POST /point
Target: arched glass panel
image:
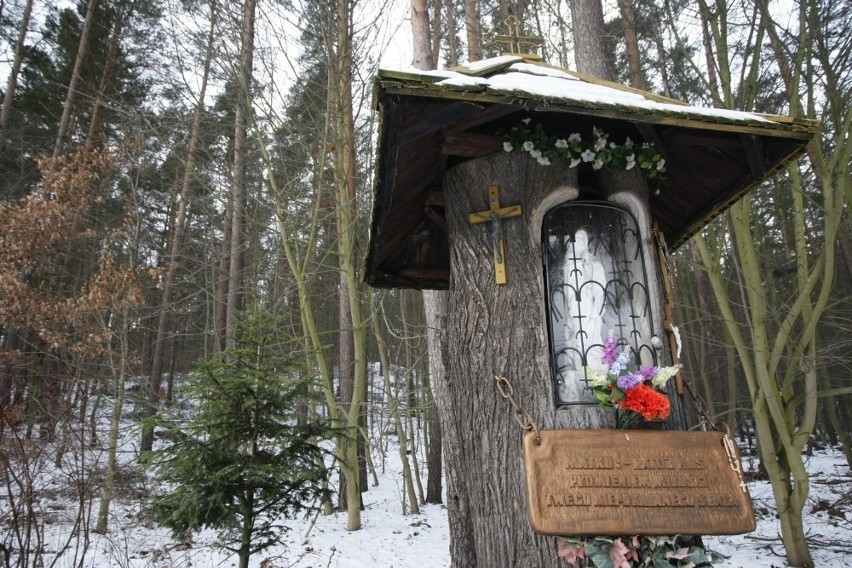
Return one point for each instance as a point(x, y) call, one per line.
point(596, 284)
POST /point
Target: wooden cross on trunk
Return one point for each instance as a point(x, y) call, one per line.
point(493, 215)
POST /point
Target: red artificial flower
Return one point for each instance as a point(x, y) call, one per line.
point(644, 400)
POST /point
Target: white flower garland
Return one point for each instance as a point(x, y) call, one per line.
point(598, 150)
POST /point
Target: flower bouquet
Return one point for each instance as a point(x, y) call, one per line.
point(638, 392)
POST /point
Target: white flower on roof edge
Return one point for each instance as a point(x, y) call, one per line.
point(544, 161)
point(527, 146)
point(507, 147)
point(597, 165)
point(600, 143)
point(588, 155)
point(535, 154)
point(575, 138)
point(561, 143)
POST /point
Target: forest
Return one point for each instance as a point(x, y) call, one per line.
point(185, 201)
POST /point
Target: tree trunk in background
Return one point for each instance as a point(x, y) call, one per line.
point(422, 58)
point(238, 183)
point(126, 11)
point(12, 82)
point(437, 32)
point(474, 30)
point(435, 306)
point(434, 303)
point(340, 66)
point(65, 121)
point(345, 371)
point(631, 42)
point(453, 47)
point(590, 53)
point(159, 347)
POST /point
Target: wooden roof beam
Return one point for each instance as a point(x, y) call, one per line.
point(438, 120)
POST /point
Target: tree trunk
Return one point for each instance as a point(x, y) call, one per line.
point(435, 306)
point(102, 524)
point(498, 329)
point(631, 42)
point(474, 30)
point(420, 32)
point(106, 75)
point(590, 53)
point(453, 47)
point(75, 79)
point(12, 83)
point(345, 181)
point(159, 347)
point(238, 184)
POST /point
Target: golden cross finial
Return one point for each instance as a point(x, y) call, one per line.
point(514, 41)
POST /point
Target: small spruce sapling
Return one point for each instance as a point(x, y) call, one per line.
point(245, 458)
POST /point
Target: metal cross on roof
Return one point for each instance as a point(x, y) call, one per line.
point(516, 43)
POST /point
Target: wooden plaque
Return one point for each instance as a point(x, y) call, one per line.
point(631, 482)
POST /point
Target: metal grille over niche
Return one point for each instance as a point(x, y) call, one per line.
point(596, 283)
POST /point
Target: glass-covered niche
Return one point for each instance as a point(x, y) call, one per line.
point(596, 284)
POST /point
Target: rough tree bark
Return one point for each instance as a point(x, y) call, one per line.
point(497, 329)
point(590, 55)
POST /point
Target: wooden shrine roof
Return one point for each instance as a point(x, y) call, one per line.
point(432, 120)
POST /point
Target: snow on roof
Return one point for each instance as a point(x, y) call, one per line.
point(510, 73)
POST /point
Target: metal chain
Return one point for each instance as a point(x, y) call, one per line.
point(523, 417)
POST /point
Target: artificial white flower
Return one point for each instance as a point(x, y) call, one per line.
point(526, 121)
point(597, 165)
point(528, 145)
point(661, 165)
point(574, 162)
point(596, 132)
point(587, 155)
point(629, 166)
point(663, 375)
point(600, 143)
point(543, 160)
point(595, 378)
point(628, 143)
point(575, 138)
point(535, 154)
point(561, 143)
point(507, 147)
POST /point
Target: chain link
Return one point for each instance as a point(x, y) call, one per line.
point(523, 417)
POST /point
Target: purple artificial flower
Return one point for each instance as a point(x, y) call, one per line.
point(647, 373)
point(629, 382)
point(609, 354)
point(620, 363)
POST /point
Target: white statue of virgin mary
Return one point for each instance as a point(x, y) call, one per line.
point(587, 273)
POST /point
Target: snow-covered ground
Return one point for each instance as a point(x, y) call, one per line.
point(391, 539)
